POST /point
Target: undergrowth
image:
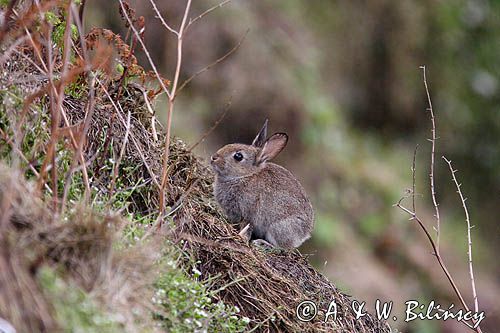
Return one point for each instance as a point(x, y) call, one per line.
point(188, 305)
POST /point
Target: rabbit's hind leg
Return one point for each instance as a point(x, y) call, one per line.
point(287, 233)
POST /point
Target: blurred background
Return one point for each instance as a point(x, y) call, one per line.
point(343, 79)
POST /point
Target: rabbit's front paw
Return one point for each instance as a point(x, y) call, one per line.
point(263, 244)
point(267, 247)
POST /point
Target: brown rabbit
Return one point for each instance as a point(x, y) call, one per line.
point(262, 195)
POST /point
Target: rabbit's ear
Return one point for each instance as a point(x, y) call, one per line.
point(261, 136)
point(272, 147)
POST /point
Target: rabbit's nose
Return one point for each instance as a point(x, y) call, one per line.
point(214, 157)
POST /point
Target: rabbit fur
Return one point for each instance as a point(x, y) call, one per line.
point(251, 190)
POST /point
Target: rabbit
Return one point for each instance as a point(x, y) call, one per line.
point(262, 195)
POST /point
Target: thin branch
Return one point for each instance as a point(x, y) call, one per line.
point(174, 89)
point(469, 238)
point(86, 122)
point(413, 171)
point(164, 178)
point(413, 216)
point(170, 94)
point(36, 49)
point(120, 157)
point(158, 15)
point(179, 51)
point(438, 257)
point(55, 118)
point(214, 126)
point(434, 248)
point(153, 117)
point(219, 60)
point(78, 16)
point(50, 158)
point(28, 59)
point(150, 60)
point(60, 90)
point(433, 142)
point(206, 12)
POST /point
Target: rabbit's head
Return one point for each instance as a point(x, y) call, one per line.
point(237, 160)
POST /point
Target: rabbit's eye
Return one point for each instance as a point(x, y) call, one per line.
point(238, 156)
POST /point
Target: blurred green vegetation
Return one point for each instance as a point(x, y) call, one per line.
point(74, 308)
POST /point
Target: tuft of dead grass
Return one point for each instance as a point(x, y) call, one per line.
point(81, 248)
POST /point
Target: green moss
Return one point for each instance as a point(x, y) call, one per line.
point(187, 305)
point(52, 18)
point(75, 311)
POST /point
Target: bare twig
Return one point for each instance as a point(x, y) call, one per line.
point(34, 64)
point(170, 94)
point(219, 60)
point(164, 178)
point(87, 120)
point(35, 49)
point(118, 161)
point(55, 102)
point(206, 12)
point(153, 118)
point(433, 142)
point(158, 15)
point(214, 126)
point(413, 172)
point(469, 238)
point(146, 52)
point(65, 64)
point(54, 118)
point(435, 244)
point(437, 254)
point(91, 100)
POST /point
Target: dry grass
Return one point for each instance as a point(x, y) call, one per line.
point(81, 249)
